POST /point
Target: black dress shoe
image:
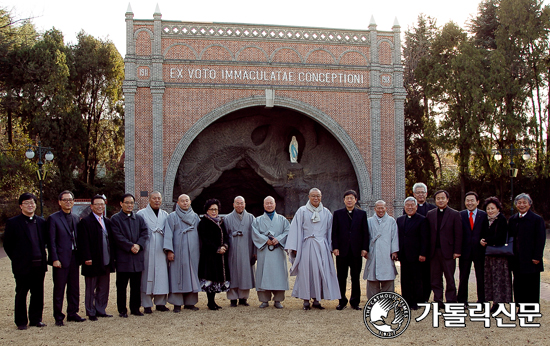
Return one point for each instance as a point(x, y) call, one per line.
point(104, 315)
point(318, 306)
point(137, 313)
point(177, 308)
point(340, 307)
point(38, 324)
point(123, 314)
point(92, 318)
point(190, 307)
point(22, 327)
point(243, 302)
point(146, 311)
point(212, 307)
point(162, 308)
point(306, 306)
point(355, 307)
point(75, 318)
point(59, 323)
point(233, 303)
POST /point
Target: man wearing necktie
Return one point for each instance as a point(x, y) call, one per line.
point(475, 225)
point(94, 244)
point(63, 257)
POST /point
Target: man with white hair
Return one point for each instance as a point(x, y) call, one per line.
point(154, 279)
point(270, 232)
point(310, 245)
point(181, 243)
point(420, 192)
point(529, 240)
point(414, 239)
point(384, 244)
point(242, 252)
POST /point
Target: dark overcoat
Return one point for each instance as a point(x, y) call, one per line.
point(212, 265)
point(18, 246)
point(127, 231)
point(529, 240)
point(346, 237)
point(414, 238)
point(90, 245)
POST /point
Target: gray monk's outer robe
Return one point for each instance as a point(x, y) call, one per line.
point(271, 270)
point(384, 240)
point(181, 237)
point(313, 265)
point(241, 249)
point(154, 279)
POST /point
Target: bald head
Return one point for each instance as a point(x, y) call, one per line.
point(380, 208)
point(184, 202)
point(239, 204)
point(269, 204)
point(155, 199)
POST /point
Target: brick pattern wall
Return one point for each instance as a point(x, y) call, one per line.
point(187, 99)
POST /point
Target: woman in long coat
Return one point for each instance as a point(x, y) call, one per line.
point(498, 280)
point(213, 265)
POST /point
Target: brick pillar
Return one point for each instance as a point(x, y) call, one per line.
point(157, 90)
point(129, 88)
point(375, 108)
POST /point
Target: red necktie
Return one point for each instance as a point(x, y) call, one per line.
point(472, 220)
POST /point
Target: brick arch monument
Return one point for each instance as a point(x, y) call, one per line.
point(182, 77)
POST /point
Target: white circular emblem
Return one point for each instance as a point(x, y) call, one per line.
point(386, 315)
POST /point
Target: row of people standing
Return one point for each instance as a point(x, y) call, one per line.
point(215, 255)
point(138, 246)
point(447, 234)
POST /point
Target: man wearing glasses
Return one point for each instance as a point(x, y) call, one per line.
point(94, 244)
point(63, 257)
point(24, 240)
point(130, 234)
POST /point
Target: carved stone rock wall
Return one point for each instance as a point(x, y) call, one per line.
point(246, 153)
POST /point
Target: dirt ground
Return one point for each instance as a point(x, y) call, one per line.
point(247, 325)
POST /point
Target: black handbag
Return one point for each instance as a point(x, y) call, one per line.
point(502, 250)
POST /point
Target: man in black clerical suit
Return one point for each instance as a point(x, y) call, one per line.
point(420, 192)
point(24, 243)
point(94, 244)
point(63, 257)
point(350, 241)
point(130, 233)
point(445, 247)
point(475, 225)
point(529, 234)
point(414, 239)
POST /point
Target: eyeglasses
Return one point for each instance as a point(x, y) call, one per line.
point(99, 204)
point(28, 203)
point(128, 203)
point(67, 200)
point(213, 209)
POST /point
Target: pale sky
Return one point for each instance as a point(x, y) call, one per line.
point(105, 18)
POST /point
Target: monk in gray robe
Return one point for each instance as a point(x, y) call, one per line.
point(242, 252)
point(384, 244)
point(309, 244)
point(154, 279)
point(181, 243)
point(270, 233)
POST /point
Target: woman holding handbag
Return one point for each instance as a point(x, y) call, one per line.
point(498, 279)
